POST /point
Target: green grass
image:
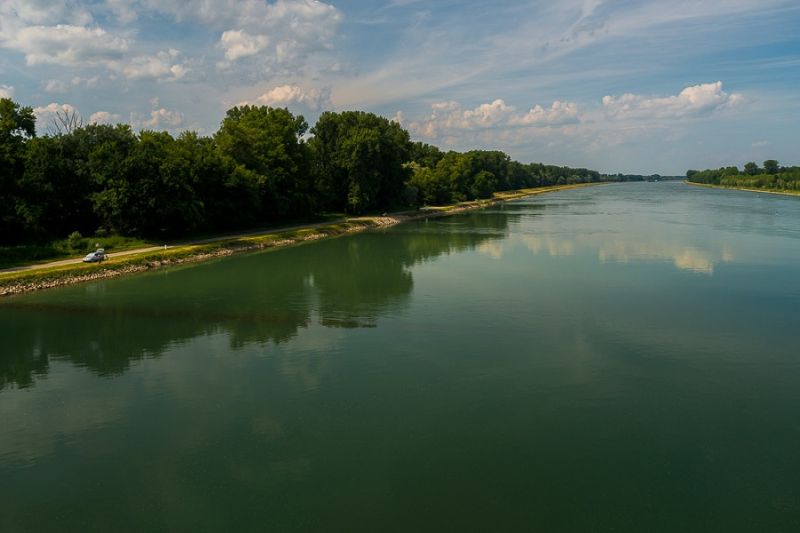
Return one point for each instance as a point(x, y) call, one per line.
point(28, 254)
point(67, 274)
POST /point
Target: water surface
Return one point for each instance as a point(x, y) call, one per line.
point(616, 358)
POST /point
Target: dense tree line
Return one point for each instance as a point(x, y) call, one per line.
point(440, 178)
point(263, 165)
point(770, 176)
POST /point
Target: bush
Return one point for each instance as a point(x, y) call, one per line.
point(75, 241)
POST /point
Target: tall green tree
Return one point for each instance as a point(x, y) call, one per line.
point(771, 166)
point(17, 125)
point(56, 189)
point(269, 143)
point(359, 160)
point(751, 169)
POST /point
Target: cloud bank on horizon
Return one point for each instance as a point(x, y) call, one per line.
point(633, 86)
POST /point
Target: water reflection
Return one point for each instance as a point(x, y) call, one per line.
point(620, 250)
point(265, 298)
point(620, 230)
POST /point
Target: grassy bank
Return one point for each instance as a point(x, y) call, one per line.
point(28, 254)
point(767, 191)
point(56, 276)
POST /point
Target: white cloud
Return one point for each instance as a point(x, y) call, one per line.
point(159, 119)
point(61, 86)
point(485, 115)
point(558, 113)
point(165, 65)
point(38, 12)
point(238, 44)
point(285, 95)
point(451, 117)
point(448, 116)
point(47, 116)
point(104, 117)
point(6, 91)
point(56, 86)
point(66, 45)
point(283, 32)
point(692, 101)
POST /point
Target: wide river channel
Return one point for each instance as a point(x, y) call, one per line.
point(615, 358)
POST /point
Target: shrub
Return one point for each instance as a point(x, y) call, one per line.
point(75, 241)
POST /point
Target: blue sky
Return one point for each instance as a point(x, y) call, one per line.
point(619, 86)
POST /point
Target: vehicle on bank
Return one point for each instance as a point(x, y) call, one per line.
point(95, 257)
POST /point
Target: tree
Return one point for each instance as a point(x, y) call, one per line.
point(269, 143)
point(65, 121)
point(359, 160)
point(751, 169)
point(55, 188)
point(425, 155)
point(17, 125)
point(227, 193)
point(771, 166)
point(107, 151)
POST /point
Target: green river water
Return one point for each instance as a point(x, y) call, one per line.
point(618, 358)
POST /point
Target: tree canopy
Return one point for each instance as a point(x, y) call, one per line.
point(771, 177)
point(263, 165)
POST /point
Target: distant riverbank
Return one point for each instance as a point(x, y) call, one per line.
point(61, 273)
point(768, 191)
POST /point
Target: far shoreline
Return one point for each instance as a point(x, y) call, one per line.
point(726, 187)
point(60, 275)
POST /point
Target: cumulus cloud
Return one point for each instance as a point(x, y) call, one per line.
point(47, 116)
point(450, 117)
point(66, 45)
point(282, 32)
point(38, 12)
point(158, 119)
point(447, 116)
point(558, 113)
point(103, 117)
point(692, 101)
point(485, 115)
point(166, 65)
point(285, 95)
point(6, 91)
point(238, 44)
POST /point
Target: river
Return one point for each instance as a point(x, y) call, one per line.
point(613, 358)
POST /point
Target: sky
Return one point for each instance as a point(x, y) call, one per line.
point(628, 86)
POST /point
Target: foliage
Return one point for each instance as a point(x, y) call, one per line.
point(75, 240)
point(771, 177)
point(259, 168)
point(359, 161)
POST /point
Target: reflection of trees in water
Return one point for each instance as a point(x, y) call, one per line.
point(347, 282)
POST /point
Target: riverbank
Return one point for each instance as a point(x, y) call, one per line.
point(767, 191)
point(59, 273)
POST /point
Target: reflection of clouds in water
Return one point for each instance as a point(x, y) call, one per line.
point(683, 257)
point(553, 247)
point(492, 249)
point(611, 249)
